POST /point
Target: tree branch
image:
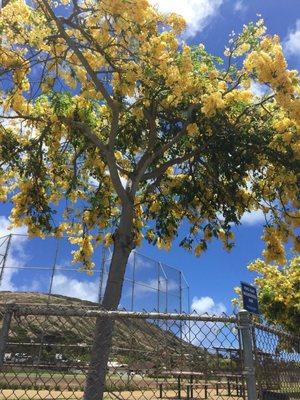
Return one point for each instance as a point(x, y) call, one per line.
point(107, 154)
point(178, 136)
point(146, 158)
point(90, 39)
point(162, 169)
point(253, 106)
point(99, 85)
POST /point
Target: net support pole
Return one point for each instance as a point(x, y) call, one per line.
point(180, 301)
point(245, 328)
point(5, 257)
point(158, 287)
point(101, 278)
point(5, 330)
point(133, 282)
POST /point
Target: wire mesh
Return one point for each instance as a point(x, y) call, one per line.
point(45, 354)
point(277, 359)
point(153, 355)
point(45, 266)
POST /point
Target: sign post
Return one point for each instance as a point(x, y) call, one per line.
point(250, 299)
point(245, 327)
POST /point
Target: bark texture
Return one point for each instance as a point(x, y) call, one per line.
point(123, 245)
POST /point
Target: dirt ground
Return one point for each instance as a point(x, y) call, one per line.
point(9, 394)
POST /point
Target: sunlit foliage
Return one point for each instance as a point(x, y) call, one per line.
point(106, 113)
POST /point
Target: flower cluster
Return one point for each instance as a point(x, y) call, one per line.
point(143, 118)
point(270, 66)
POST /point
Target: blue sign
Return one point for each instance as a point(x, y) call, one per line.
point(250, 300)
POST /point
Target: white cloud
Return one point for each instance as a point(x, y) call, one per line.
point(209, 335)
point(197, 13)
point(4, 230)
point(123, 181)
point(258, 89)
point(152, 286)
point(85, 290)
point(16, 256)
point(253, 218)
point(207, 305)
point(17, 259)
point(292, 42)
point(240, 6)
point(95, 182)
point(141, 262)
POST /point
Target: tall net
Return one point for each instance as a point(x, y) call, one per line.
point(44, 266)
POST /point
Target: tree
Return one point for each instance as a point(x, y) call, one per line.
point(107, 114)
point(278, 288)
point(279, 293)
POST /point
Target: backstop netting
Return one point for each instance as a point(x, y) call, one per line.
point(35, 265)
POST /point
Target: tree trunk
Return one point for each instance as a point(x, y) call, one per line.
point(123, 244)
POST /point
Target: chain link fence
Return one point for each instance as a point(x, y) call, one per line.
point(45, 354)
point(277, 362)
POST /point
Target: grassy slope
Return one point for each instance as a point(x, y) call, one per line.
point(135, 340)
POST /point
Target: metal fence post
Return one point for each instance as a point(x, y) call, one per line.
point(249, 367)
point(7, 316)
point(5, 254)
point(133, 281)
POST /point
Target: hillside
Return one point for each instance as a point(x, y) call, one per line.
point(134, 341)
point(41, 298)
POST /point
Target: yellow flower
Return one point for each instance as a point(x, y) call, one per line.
point(192, 129)
point(108, 240)
point(243, 48)
point(155, 206)
point(164, 244)
point(199, 249)
point(211, 103)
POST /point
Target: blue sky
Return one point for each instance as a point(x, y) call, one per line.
point(213, 276)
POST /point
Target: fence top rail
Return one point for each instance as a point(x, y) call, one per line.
point(275, 330)
point(94, 311)
point(52, 310)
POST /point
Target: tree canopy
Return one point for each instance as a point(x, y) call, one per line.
point(279, 292)
point(111, 121)
point(106, 113)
